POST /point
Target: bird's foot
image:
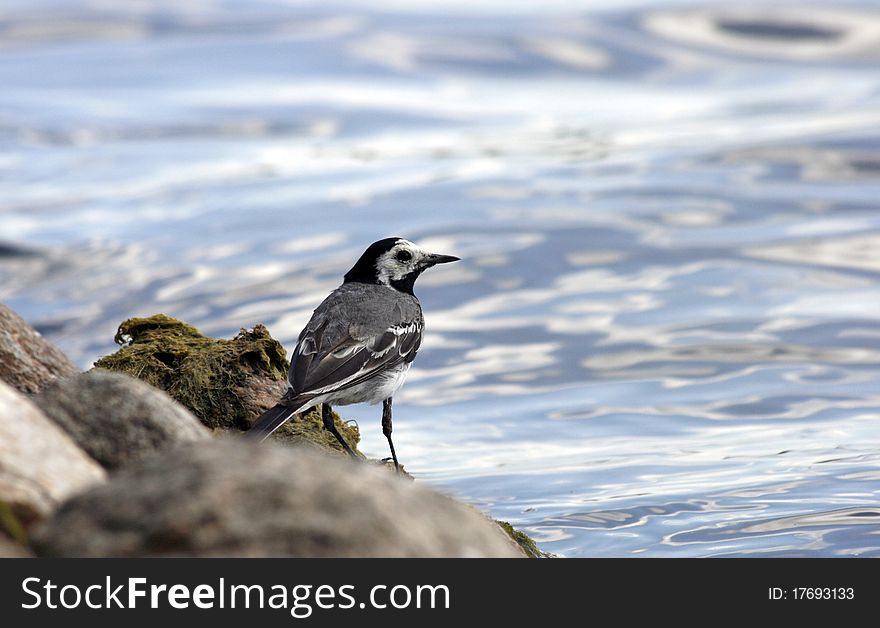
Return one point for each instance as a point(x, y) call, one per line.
point(391, 461)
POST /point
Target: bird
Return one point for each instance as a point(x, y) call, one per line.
point(360, 342)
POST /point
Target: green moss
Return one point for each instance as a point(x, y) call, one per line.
point(136, 330)
point(525, 542)
point(11, 526)
point(204, 374)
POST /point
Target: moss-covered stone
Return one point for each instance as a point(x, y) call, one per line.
point(525, 542)
point(212, 377)
point(227, 384)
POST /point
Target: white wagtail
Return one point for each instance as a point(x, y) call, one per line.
point(360, 342)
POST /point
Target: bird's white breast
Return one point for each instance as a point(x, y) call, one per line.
point(374, 390)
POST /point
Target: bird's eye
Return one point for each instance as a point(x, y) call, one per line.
point(404, 256)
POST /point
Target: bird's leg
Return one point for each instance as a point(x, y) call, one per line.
point(386, 429)
point(330, 425)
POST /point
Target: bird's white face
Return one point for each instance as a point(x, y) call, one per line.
point(394, 262)
point(403, 259)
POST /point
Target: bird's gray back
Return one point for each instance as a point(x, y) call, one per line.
point(355, 332)
point(365, 310)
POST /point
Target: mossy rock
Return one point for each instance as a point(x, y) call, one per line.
point(214, 378)
point(525, 542)
point(227, 384)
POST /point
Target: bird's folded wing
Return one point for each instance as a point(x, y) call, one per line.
point(327, 359)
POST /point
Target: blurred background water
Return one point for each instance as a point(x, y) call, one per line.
point(663, 339)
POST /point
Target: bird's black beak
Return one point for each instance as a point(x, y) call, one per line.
point(433, 259)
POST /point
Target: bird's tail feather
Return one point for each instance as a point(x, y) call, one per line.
point(273, 418)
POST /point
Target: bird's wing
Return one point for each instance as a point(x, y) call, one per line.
point(330, 356)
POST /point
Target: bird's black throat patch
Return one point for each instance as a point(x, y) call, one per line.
point(406, 284)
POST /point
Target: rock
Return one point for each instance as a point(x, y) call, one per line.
point(27, 360)
point(8, 549)
point(116, 418)
point(226, 384)
point(40, 465)
point(230, 497)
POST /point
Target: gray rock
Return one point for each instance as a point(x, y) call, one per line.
point(27, 360)
point(230, 497)
point(9, 549)
point(39, 463)
point(116, 418)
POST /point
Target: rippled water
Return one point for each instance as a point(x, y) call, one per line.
point(664, 338)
